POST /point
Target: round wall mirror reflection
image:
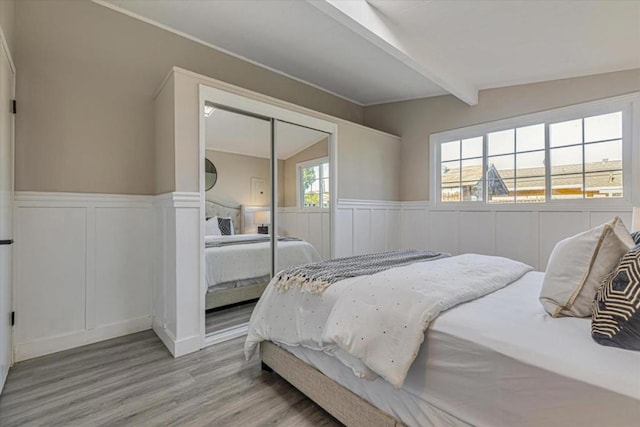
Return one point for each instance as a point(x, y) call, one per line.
point(210, 175)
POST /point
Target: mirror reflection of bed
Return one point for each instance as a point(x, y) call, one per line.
point(238, 211)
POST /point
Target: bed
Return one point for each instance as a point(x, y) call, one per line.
point(238, 268)
point(497, 360)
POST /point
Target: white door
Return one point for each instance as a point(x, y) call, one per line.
point(6, 211)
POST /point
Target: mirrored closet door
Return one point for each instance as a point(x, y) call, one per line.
point(303, 195)
point(238, 252)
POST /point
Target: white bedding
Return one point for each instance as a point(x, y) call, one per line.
point(378, 320)
point(239, 262)
point(501, 360)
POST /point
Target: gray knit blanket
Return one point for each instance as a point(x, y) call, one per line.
point(261, 239)
point(316, 277)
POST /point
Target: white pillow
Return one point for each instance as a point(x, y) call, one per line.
point(579, 264)
point(211, 228)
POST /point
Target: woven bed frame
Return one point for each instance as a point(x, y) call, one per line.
point(346, 406)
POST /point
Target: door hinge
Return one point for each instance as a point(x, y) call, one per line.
point(14, 106)
point(13, 318)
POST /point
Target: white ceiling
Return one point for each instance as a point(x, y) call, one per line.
point(378, 51)
point(236, 133)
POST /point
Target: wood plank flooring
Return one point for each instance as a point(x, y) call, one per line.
point(225, 317)
point(134, 381)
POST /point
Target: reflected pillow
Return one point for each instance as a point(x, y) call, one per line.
point(211, 228)
point(226, 226)
point(579, 264)
point(616, 308)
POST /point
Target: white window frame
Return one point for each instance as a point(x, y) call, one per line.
point(628, 104)
point(299, 195)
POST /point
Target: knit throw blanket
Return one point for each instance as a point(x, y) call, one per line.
point(316, 277)
point(266, 238)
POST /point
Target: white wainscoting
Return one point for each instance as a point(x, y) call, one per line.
point(83, 269)
point(310, 225)
point(525, 235)
point(367, 226)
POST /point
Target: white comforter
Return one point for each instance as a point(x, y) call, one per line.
point(375, 324)
point(240, 262)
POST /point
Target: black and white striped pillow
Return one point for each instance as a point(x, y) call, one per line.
point(226, 226)
point(636, 237)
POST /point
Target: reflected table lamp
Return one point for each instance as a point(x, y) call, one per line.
point(264, 219)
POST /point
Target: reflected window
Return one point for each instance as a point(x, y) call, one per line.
point(313, 183)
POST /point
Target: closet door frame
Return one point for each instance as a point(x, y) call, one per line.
point(208, 94)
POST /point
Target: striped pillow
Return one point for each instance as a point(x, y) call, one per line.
point(636, 237)
point(226, 226)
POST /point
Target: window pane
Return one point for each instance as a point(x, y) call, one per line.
point(530, 189)
point(530, 164)
point(565, 133)
point(472, 147)
point(471, 190)
point(530, 138)
point(502, 142)
point(499, 171)
point(451, 193)
point(604, 127)
point(450, 151)
point(566, 186)
point(603, 184)
point(566, 160)
point(325, 170)
point(500, 191)
point(325, 192)
point(471, 170)
point(503, 164)
point(603, 156)
point(450, 172)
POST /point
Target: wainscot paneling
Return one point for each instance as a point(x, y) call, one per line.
point(310, 225)
point(525, 235)
point(367, 226)
point(83, 269)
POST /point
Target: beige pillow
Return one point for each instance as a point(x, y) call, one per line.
point(579, 264)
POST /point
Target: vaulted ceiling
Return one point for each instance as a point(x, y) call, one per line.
point(376, 51)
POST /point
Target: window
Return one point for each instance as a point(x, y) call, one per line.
point(313, 183)
point(571, 153)
point(586, 157)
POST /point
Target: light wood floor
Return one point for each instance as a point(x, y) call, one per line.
point(133, 380)
point(225, 317)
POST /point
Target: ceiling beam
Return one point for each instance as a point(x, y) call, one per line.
point(363, 19)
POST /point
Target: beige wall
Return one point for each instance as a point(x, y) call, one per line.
point(7, 8)
point(368, 164)
point(316, 151)
point(415, 120)
point(234, 176)
point(85, 84)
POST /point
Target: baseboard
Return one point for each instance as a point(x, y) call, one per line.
point(188, 345)
point(165, 336)
point(3, 378)
point(176, 347)
point(48, 345)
